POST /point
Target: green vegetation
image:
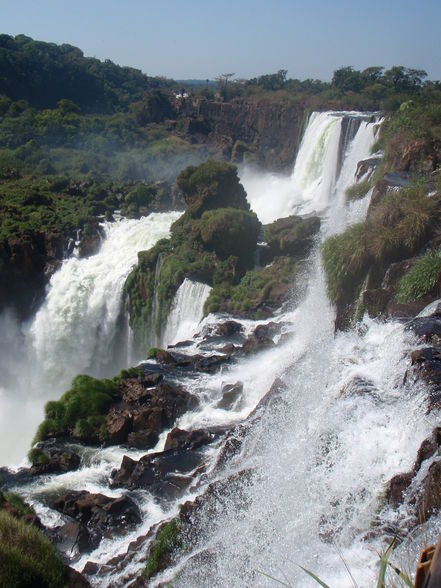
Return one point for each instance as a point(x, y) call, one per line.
point(27, 558)
point(211, 185)
point(44, 73)
point(166, 542)
point(16, 502)
point(79, 412)
point(359, 190)
point(258, 286)
point(209, 243)
point(373, 88)
point(421, 279)
point(396, 228)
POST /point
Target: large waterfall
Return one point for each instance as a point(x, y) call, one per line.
point(317, 460)
point(75, 331)
point(320, 458)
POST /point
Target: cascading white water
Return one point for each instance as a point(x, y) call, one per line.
point(312, 184)
point(320, 458)
point(346, 426)
point(74, 331)
point(186, 311)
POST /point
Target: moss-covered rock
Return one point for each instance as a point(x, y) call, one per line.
point(213, 184)
point(230, 232)
point(292, 235)
point(167, 541)
point(213, 242)
point(259, 293)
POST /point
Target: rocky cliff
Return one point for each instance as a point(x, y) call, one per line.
point(261, 131)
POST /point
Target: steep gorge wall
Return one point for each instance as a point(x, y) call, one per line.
point(265, 132)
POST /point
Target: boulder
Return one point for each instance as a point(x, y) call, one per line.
point(48, 458)
point(188, 440)
point(97, 515)
point(146, 412)
point(426, 328)
point(230, 395)
point(166, 474)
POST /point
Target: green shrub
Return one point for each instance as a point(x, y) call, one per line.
point(27, 558)
point(80, 409)
point(17, 502)
point(421, 279)
point(151, 353)
point(37, 457)
point(166, 542)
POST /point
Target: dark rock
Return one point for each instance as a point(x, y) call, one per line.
point(427, 366)
point(149, 380)
point(145, 412)
point(396, 488)
point(163, 356)
point(91, 568)
point(75, 580)
point(118, 426)
point(429, 500)
point(180, 344)
point(227, 329)
point(400, 483)
point(230, 394)
point(59, 459)
point(375, 301)
point(142, 439)
point(165, 474)
point(229, 349)
point(427, 328)
point(188, 440)
point(97, 516)
point(256, 123)
point(401, 311)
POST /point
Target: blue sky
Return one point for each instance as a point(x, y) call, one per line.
point(202, 39)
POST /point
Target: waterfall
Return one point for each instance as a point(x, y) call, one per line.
point(320, 162)
point(76, 330)
point(186, 311)
point(345, 425)
point(317, 461)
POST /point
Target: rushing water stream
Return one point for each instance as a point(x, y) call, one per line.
point(345, 424)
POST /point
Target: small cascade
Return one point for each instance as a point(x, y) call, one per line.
point(186, 311)
point(155, 335)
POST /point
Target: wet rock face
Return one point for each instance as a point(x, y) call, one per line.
point(185, 440)
point(166, 474)
point(145, 411)
point(97, 516)
point(58, 459)
point(272, 133)
point(427, 328)
point(26, 263)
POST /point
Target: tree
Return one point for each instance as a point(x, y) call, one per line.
point(222, 84)
point(347, 79)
